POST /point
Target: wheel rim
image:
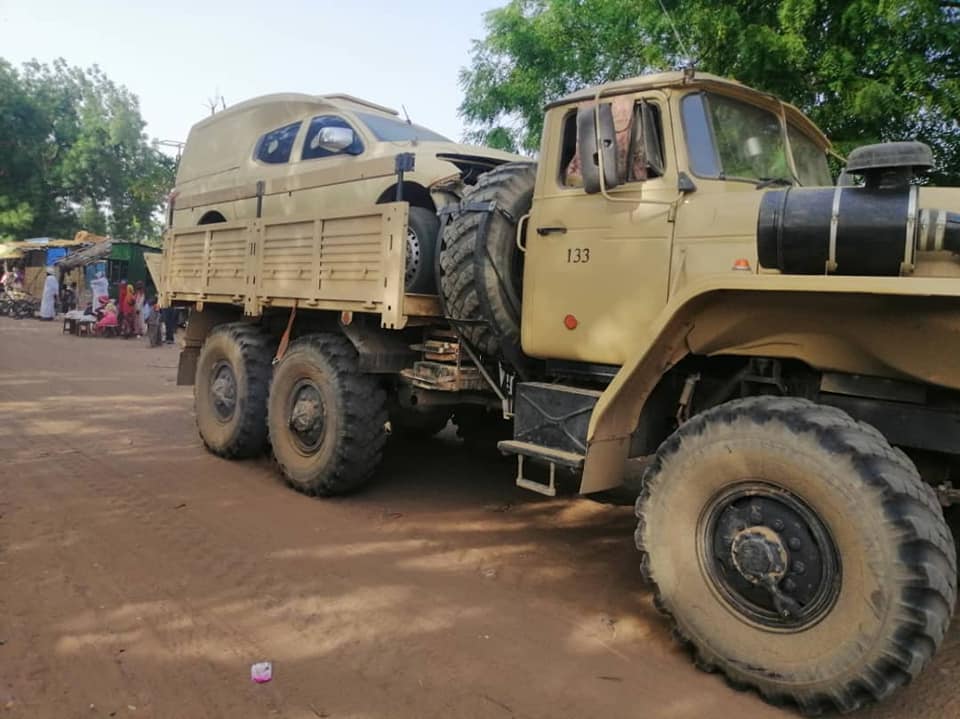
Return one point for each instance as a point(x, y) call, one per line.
point(769, 556)
point(306, 416)
point(223, 390)
point(412, 257)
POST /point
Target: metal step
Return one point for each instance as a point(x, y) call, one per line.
point(551, 457)
point(544, 454)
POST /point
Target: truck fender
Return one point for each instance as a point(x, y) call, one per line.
point(864, 325)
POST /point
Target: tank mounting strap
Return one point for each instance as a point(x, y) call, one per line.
point(834, 226)
point(910, 245)
point(488, 207)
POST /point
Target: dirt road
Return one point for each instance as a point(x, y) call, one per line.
point(140, 576)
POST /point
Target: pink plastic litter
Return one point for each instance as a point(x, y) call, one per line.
point(261, 672)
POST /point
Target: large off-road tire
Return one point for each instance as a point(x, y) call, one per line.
point(481, 273)
point(327, 420)
point(230, 390)
point(423, 229)
point(826, 511)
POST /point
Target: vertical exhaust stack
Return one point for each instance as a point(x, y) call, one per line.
point(870, 230)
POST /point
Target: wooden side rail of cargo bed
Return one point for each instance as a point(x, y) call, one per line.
point(351, 261)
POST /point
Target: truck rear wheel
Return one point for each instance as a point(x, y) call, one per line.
point(797, 552)
point(327, 420)
point(230, 390)
point(481, 267)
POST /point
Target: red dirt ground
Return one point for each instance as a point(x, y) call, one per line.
point(140, 576)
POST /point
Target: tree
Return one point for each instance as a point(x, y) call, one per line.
point(74, 155)
point(864, 70)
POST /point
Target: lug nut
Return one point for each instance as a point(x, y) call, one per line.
point(794, 543)
point(778, 524)
point(755, 514)
point(799, 567)
point(789, 585)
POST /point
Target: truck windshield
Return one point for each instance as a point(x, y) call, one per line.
point(730, 139)
point(389, 130)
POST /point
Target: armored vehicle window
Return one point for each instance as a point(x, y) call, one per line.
point(388, 129)
point(313, 146)
point(275, 146)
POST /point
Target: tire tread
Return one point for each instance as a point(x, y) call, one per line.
point(928, 552)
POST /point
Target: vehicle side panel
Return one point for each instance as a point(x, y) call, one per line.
point(337, 262)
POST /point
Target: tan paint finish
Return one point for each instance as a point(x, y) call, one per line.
point(320, 242)
point(661, 282)
point(332, 262)
point(624, 284)
point(218, 170)
point(898, 327)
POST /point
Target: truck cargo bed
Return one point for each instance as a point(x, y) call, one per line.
point(352, 261)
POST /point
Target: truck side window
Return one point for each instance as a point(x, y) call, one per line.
point(311, 145)
point(275, 146)
point(569, 161)
point(646, 143)
point(639, 142)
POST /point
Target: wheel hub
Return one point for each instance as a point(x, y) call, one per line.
point(412, 256)
point(307, 415)
point(759, 554)
point(223, 389)
point(770, 556)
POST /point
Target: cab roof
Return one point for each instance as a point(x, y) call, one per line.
point(692, 80)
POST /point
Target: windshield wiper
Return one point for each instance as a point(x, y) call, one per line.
point(773, 181)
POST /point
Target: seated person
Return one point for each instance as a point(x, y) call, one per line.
point(109, 317)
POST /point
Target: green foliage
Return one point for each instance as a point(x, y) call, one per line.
point(73, 155)
point(864, 70)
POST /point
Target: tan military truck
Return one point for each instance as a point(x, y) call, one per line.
point(677, 276)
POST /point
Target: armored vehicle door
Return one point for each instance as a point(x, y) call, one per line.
point(597, 265)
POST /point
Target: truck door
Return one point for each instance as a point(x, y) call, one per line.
point(596, 270)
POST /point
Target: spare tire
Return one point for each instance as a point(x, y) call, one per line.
point(480, 265)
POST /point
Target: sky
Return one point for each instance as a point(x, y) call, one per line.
point(177, 55)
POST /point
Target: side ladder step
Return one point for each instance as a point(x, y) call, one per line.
point(551, 457)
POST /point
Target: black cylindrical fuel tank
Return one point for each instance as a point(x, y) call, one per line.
point(866, 227)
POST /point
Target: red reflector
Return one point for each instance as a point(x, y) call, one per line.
point(570, 322)
point(742, 264)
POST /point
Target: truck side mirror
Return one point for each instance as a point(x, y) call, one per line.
point(594, 138)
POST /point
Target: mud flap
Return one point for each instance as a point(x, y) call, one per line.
point(187, 366)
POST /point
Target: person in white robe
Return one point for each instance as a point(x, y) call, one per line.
point(51, 288)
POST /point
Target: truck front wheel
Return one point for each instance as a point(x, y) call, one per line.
point(230, 390)
point(327, 420)
point(797, 552)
